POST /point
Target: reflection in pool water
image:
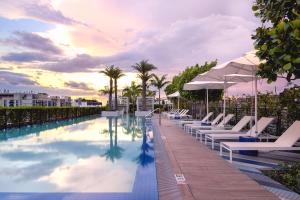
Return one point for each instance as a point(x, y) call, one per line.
point(84, 155)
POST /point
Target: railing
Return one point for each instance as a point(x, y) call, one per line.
point(149, 114)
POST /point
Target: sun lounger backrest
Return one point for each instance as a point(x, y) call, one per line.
point(261, 125)
point(226, 119)
point(290, 136)
point(206, 118)
point(184, 111)
point(217, 119)
point(180, 111)
point(242, 123)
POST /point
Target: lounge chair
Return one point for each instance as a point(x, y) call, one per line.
point(219, 126)
point(182, 123)
point(173, 111)
point(170, 115)
point(236, 129)
point(262, 124)
point(183, 115)
point(190, 127)
point(284, 143)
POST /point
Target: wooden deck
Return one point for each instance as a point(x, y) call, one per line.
point(207, 175)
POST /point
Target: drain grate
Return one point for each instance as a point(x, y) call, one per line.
point(179, 178)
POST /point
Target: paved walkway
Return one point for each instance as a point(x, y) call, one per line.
point(207, 175)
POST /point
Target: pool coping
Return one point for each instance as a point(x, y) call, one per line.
point(183, 152)
point(166, 184)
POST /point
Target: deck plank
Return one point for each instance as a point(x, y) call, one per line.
point(208, 176)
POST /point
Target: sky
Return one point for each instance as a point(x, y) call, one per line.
point(59, 46)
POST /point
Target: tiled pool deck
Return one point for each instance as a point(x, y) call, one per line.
point(208, 176)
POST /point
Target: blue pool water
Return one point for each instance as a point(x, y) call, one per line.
point(84, 158)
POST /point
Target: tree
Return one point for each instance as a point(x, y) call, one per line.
point(188, 75)
point(104, 91)
point(132, 92)
point(108, 71)
point(277, 41)
point(117, 73)
point(144, 68)
point(159, 83)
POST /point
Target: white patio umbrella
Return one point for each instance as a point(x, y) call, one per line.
point(175, 95)
point(208, 85)
point(244, 66)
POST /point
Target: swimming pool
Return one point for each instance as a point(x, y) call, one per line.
point(84, 158)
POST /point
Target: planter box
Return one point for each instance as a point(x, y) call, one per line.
point(142, 113)
point(110, 113)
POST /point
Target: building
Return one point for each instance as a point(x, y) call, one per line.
point(149, 103)
point(8, 99)
point(86, 103)
point(61, 101)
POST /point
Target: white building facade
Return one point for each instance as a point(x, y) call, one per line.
point(8, 99)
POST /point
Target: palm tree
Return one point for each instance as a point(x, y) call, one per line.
point(104, 91)
point(159, 83)
point(108, 71)
point(114, 152)
point(117, 73)
point(132, 92)
point(144, 68)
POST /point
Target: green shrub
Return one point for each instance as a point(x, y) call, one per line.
point(288, 174)
point(20, 116)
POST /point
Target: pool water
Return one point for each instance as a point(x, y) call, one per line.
point(84, 158)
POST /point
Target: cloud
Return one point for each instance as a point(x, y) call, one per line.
point(86, 62)
point(33, 41)
point(27, 57)
point(191, 41)
point(15, 79)
point(80, 63)
point(183, 43)
point(36, 9)
point(79, 86)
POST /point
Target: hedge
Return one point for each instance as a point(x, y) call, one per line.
point(21, 116)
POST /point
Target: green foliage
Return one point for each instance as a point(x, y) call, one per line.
point(109, 72)
point(188, 75)
point(287, 174)
point(20, 116)
point(132, 92)
point(159, 83)
point(144, 69)
point(278, 39)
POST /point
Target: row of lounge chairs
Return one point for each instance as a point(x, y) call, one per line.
point(177, 114)
point(216, 131)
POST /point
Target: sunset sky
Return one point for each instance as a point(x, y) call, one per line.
point(59, 46)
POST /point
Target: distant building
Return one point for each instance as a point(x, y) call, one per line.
point(61, 101)
point(8, 99)
point(86, 103)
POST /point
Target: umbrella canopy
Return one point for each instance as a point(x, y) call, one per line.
point(211, 85)
point(242, 69)
point(245, 65)
point(174, 95)
point(199, 85)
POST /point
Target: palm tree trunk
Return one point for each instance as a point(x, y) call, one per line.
point(159, 98)
point(144, 96)
point(110, 132)
point(110, 93)
point(116, 131)
point(116, 95)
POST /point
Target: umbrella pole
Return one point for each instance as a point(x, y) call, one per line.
point(206, 101)
point(224, 102)
point(178, 103)
point(255, 102)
